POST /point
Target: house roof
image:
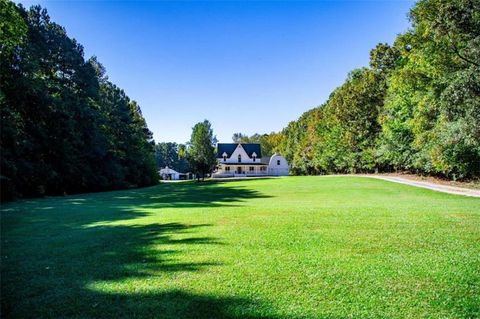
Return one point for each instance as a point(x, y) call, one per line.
point(168, 170)
point(229, 148)
point(265, 160)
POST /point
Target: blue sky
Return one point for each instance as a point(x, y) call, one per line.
point(245, 66)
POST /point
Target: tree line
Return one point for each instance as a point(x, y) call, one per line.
point(65, 128)
point(415, 108)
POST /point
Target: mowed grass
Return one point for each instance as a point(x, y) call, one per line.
point(296, 247)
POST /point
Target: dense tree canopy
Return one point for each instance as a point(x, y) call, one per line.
point(431, 121)
point(64, 127)
point(416, 107)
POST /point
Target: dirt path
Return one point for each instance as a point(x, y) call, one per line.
point(429, 185)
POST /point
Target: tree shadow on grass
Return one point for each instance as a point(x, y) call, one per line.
point(56, 261)
point(81, 210)
point(191, 194)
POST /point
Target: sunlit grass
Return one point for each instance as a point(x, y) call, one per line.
point(296, 247)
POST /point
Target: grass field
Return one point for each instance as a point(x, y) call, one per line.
point(296, 247)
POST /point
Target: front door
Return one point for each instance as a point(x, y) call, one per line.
point(239, 170)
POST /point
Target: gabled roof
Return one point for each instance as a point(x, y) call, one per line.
point(168, 170)
point(229, 148)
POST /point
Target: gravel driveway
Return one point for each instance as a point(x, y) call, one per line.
point(432, 186)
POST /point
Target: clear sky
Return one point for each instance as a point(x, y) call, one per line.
point(245, 66)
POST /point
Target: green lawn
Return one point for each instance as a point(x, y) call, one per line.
point(296, 247)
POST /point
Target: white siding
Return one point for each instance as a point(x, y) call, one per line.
point(234, 157)
point(167, 173)
point(278, 166)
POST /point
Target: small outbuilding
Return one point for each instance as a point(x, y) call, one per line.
point(169, 174)
point(278, 165)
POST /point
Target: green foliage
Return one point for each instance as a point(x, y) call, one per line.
point(12, 28)
point(65, 128)
point(384, 58)
point(432, 111)
point(341, 135)
point(417, 107)
point(171, 155)
point(201, 149)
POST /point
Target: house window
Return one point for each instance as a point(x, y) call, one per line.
point(254, 158)
point(263, 168)
point(227, 168)
point(251, 168)
point(224, 158)
point(278, 162)
point(239, 158)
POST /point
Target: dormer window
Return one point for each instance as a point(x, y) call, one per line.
point(239, 158)
point(224, 155)
point(254, 156)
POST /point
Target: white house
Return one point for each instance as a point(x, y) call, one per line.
point(235, 160)
point(169, 174)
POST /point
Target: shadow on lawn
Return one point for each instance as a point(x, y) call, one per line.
point(55, 259)
point(190, 194)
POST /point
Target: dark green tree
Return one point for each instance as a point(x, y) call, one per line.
point(201, 149)
point(171, 155)
point(416, 108)
point(65, 128)
point(430, 124)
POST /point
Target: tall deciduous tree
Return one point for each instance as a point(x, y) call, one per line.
point(432, 114)
point(201, 149)
point(416, 108)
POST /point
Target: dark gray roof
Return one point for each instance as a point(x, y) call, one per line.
point(265, 159)
point(230, 147)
